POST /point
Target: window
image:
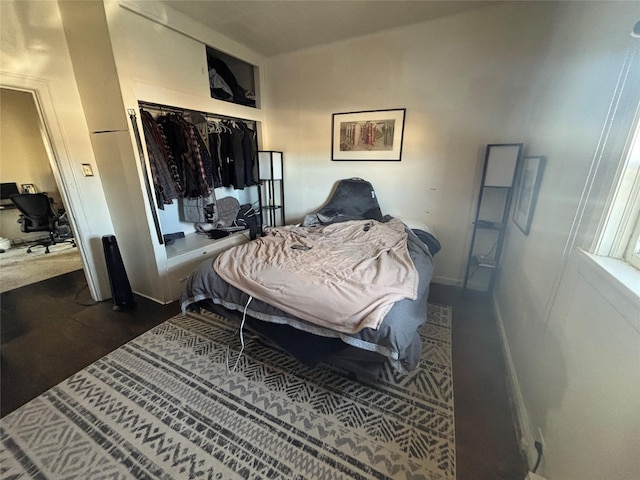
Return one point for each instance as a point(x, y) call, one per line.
point(619, 231)
point(632, 251)
point(632, 255)
point(614, 249)
point(620, 237)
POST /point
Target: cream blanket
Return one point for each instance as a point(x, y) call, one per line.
point(344, 276)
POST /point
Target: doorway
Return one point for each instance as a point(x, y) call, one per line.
point(25, 160)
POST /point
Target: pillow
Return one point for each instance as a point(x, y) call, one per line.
point(414, 224)
point(423, 232)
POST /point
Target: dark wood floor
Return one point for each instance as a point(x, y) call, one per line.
point(486, 440)
point(52, 329)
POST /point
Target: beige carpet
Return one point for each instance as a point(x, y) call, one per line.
point(19, 268)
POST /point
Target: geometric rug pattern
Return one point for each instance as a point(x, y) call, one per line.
point(167, 406)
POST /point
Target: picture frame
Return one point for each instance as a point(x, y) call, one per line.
point(529, 180)
point(28, 188)
point(370, 135)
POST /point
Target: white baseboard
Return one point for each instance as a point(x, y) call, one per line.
point(455, 282)
point(523, 427)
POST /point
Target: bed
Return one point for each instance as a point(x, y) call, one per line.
point(348, 286)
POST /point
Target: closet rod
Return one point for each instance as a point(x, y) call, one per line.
point(159, 108)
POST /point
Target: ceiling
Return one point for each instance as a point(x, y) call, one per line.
point(271, 27)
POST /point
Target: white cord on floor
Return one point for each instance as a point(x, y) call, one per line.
point(244, 316)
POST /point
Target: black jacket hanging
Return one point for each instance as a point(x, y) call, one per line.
point(250, 152)
point(237, 136)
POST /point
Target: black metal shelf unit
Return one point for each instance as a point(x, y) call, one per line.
point(498, 175)
point(271, 188)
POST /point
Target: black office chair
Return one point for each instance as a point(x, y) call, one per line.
point(38, 215)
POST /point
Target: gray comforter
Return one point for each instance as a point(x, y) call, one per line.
point(396, 338)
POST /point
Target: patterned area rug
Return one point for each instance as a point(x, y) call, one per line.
point(165, 406)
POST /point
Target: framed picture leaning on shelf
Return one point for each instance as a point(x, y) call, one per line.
point(529, 179)
point(374, 135)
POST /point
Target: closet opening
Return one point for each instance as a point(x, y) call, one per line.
point(202, 171)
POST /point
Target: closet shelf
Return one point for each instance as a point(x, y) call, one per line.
point(231, 79)
point(200, 244)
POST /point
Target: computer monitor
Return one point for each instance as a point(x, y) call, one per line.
point(6, 190)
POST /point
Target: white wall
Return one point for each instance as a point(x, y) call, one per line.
point(541, 73)
point(461, 79)
point(573, 334)
point(34, 57)
point(99, 84)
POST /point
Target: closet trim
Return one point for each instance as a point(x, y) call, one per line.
point(147, 183)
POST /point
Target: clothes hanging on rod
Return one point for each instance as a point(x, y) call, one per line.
point(183, 141)
point(191, 153)
point(234, 150)
point(164, 170)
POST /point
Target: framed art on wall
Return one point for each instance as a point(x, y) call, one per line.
point(529, 180)
point(374, 135)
